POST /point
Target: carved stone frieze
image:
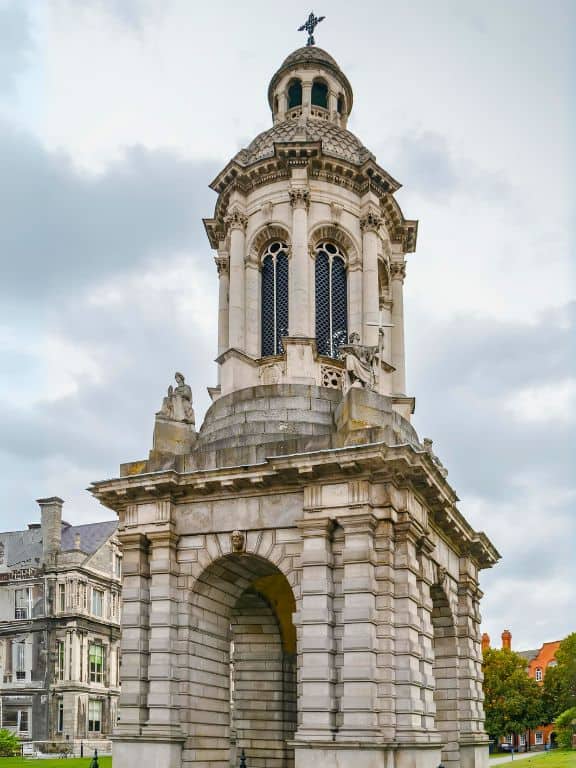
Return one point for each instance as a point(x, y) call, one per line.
point(299, 197)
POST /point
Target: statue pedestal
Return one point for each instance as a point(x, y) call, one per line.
point(176, 437)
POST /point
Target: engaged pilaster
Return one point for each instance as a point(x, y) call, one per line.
point(133, 705)
point(370, 224)
point(236, 222)
point(397, 275)
point(299, 300)
point(359, 646)
point(223, 266)
point(317, 704)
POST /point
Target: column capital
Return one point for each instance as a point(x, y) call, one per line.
point(311, 528)
point(236, 219)
point(299, 197)
point(222, 262)
point(363, 523)
point(371, 221)
point(162, 538)
point(398, 270)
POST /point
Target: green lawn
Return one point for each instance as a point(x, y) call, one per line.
point(556, 759)
point(70, 762)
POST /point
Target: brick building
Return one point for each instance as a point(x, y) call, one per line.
point(538, 660)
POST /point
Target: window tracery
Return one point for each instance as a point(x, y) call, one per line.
point(274, 299)
point(331, 299)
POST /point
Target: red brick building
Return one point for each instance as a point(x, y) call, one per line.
point(539, 661)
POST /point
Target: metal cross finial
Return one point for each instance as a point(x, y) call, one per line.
point(311, 24)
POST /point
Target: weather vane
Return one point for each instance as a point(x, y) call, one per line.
point(311, 24)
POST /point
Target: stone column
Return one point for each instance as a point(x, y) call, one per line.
point(473, 739)
point(236, 222)
point(163, 691)
point(397, 275)
point(252, 316)
point(355, 308)
point(135, 606)
point(409, 704)
point(370, 223)
point(359, 642)
point(299, 301)
point(223, 266)
point(317, 704)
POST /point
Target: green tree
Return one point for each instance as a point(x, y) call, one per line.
point(512, 700)
point(9, 744)
point(566, 724)
point(560, 681)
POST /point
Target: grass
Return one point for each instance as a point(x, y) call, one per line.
point(56, 762)
point(556, 759)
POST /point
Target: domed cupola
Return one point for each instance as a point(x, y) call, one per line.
point(310, 84)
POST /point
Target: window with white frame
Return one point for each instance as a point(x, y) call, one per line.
point(97, 602)
point(96, 662)
point(538, 674)
point(539, 737)
point(20, 665)
point(522, 740)
point(62, 597)
point(23, 603)
point(60, 659)
point(15, 719)
point(94, 716)
point(510, 738)
point(117, 566)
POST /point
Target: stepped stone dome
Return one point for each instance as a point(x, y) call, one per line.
point(336, 141)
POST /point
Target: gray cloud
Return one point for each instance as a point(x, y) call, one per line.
point(62, 228)
point(15, 41)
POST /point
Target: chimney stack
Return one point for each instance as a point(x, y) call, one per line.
point(485, 642)
point(51, 516)
point(506, 640)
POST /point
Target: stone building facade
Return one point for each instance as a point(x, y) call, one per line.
point(299, 582)
point(60, 604)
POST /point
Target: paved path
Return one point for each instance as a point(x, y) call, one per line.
point(517, 756)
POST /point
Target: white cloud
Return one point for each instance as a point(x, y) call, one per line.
point(549, 403)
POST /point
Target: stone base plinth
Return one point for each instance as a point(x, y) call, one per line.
point(156, 753)
point(175, 437)
point(359, 755)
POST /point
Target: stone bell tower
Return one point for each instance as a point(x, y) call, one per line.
point(299, 584)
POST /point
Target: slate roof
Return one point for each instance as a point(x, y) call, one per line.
point(529, 655)
point(23, 549)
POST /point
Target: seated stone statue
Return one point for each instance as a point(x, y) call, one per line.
point(177, 405)
point(361, 363)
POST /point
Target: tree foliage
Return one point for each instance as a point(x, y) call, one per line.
point(560, 681)
point(566, 725)
point(513, 701)
point(9, 743)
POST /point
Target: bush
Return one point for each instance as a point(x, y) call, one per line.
point(566, 727)
point(9, 744)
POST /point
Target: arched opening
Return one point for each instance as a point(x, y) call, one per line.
point(294, 94)
point(445, 670)
point(331, 299)
point(242, 665)
point(340, 104)
point(274, 301)
point(319, 94)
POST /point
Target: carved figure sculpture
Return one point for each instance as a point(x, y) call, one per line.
point(237, 541)
point(177, 405)
point(361, 363)
point(427, 443)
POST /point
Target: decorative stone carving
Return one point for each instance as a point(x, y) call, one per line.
point(398, 270)
point(177, 405)
point(237, 541)
point(336, 211)
point(266, 210)
point(222, 264)
point(361, 363)
point(440, 576)
point(371, 222)
point(271, 374)
point(427, 443)
point(299, 197)
point(332, 377)
point(236, 219)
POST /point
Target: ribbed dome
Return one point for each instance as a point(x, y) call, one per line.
point(335, 141)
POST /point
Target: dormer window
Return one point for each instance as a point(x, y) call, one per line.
point(319, 94)
point(295, 94)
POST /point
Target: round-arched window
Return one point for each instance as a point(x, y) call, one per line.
point(295, 94)
point(340, 104)
point(319, 94)
point(331, 299)
point(274, 313)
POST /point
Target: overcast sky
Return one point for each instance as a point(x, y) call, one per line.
point(114, 117)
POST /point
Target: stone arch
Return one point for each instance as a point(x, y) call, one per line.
point(241, 641)
point(340, 236)
point(263, 236)
point(445, 671)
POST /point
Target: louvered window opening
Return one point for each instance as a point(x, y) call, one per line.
point(331, 300)
point(274, 298)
